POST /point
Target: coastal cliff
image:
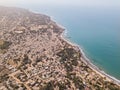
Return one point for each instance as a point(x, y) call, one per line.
point(35, 56)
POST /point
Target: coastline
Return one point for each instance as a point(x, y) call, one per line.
point(86, 60)
point(36, 54)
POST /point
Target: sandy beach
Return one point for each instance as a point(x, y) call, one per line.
point(35, 54)
point(87, 61)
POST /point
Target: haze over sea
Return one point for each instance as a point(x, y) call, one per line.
point(96, 30)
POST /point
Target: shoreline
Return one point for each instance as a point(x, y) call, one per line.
point(87, 61)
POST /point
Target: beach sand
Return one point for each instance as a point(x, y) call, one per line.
point(87, 61)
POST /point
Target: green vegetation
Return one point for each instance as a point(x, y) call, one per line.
point(76, 80)
point(69, 57)
point(4, 78)
point(4, 44)
point(62, 86)
point(48, 86)
point(78, 83)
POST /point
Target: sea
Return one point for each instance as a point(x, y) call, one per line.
point(96, 30)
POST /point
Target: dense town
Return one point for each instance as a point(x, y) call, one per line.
point(34, 56)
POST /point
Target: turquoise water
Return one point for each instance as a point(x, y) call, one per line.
point(96, 30)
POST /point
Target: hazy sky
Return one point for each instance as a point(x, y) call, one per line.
point(98, 3)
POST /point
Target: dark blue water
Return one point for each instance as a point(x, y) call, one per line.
point(96, 30)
